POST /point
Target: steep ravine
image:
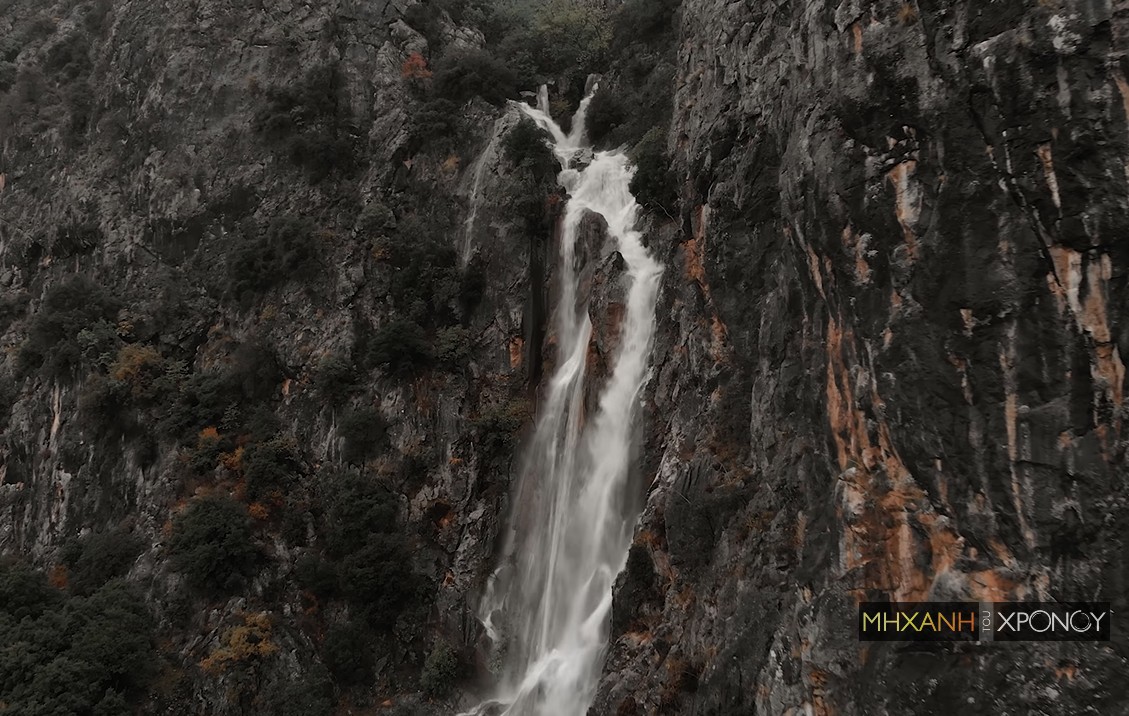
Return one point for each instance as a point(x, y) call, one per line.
point(889, 358)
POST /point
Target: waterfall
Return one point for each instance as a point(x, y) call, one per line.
point(549, 602)
point(485, 161)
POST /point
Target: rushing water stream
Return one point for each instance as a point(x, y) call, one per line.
point(548, 605)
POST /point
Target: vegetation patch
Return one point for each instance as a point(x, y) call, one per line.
point(367, 561)
point(211, 544)
point(270, 466)
point(365, 433)
point(264, 257)
point(72, 654)
point(311, 125)
point(440, 670)
point(96, 558)
point(653, 184)
point(69, 307)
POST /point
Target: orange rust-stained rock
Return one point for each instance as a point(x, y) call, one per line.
point(694, 248)
point(1066, 671)
point(857, 246)
point(813, 267)
point(718, 335)
point(1083, 287)
point(881, 518)
point(907, 201)
point(1047, 160)
point(989, 585)
point(517, 352)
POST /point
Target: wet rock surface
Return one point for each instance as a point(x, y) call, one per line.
point(891, 359)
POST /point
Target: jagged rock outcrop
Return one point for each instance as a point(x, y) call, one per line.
point(891, 358)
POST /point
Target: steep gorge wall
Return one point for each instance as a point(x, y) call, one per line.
point(891, 343)
point(891, 357)
point(136, 150)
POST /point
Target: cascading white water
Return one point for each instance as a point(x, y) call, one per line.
point(549, 603)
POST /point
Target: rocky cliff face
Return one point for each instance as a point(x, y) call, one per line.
point(892, 363)
point(890, 360)
point(241, 191)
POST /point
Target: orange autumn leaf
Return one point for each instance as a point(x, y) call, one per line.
point(415, 68)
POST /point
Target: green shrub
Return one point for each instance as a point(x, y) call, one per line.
point(312, 125)
point(575, 35)
point(112, 629)
point(378, 579)
point(99, 557)
point(436, 124)
point(270, 465)
point(137, 377)
point(453, 347)
point(423, 273)
point(370, 556)
point(348, 654)
point(356, 507)
point(69, 307)
point(98, 344)
point(365, 433)
point(401, 348)
point(234, 397)
point(8, 72)
point(13, 305)
point(336, 378)
point(497, 430)
point(267, 257)
point(102, 404)
point(376, 219)
point(525, 146)
point(68, 59)
point(72, 655)
point(424, 19)
point(317, 575)
point(440, 670)
point(605, 113)
point(646, 21)
point(560, 39)
point(653, 184)
point(211, 543)
point(465, 73)
point(24, 592)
